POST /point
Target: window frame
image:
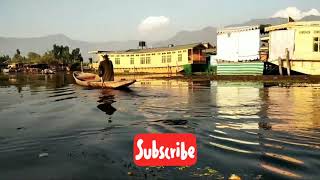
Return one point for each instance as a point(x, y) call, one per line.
point(117, 61)
point(132, 60)
point(148, 60)
point(143, 60)
point(179, 57)
point(169, 58)
point(164, 59)
point(316, 44)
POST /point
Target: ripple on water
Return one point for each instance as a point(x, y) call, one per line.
point(250, 131)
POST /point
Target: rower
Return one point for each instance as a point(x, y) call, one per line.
point(106, 69)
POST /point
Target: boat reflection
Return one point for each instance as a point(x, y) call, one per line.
point(294, 109)
point(239, 100)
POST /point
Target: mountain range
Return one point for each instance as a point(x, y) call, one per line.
point(42, 44)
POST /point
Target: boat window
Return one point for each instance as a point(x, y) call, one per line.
point(164, 59)
point(148, 60)
point(179, 57)
point(316, 44)
point(169, 59)
point(142, 60)
point(117, 61)
point(132, 60)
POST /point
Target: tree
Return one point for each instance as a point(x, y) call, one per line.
point(56, 51)
point(61, 53)
point(17, 58)
point(65, 53)
point(76, 55)
point(34, 57)
point(48, 58)
point(4, 59)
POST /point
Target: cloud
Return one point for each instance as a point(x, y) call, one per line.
point(153, 23)
point(295, 13)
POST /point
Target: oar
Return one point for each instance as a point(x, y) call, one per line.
point(102, 82)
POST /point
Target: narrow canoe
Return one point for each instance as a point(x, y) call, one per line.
point(93, 81)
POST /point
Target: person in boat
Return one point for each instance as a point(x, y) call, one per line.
point(106, 69)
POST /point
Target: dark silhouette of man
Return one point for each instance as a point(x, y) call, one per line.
point(106, 69)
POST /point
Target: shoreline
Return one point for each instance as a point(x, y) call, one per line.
point(292, 81)
point(266, 78)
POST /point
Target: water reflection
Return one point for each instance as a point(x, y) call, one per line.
point(238, 101)
point(35, 81)
point(274, 131)
point(295, 109)
point(105, 101)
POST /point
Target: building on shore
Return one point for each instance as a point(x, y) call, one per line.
point(171, 59)
point(295, 46)
point(238, 51)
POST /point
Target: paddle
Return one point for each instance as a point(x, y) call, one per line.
point(101, 74)
point(102, 82)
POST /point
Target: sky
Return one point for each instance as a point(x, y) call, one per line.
point(119, 20)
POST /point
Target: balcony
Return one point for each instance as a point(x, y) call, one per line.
point(197, 59)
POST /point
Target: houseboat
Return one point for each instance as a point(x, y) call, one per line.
point(295, 46)
point(171, 59)
point(238, 50)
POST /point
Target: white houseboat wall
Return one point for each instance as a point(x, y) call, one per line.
point(295, 47)
point(238, 51)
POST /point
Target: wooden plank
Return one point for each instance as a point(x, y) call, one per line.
point(280, 66)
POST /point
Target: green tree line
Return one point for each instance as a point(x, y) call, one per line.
point(58, 55)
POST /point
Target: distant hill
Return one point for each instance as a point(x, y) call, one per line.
point(272, 21)
point(311, 18)
point(42, 44)
point(207, 34)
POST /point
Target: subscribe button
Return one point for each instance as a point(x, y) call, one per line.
point(165, 150)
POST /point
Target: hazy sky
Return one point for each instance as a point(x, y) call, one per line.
point(105, 20)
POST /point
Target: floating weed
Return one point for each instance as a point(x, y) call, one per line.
point(208, 172)
point(183, 168)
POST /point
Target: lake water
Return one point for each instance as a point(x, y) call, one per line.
point(51, 128)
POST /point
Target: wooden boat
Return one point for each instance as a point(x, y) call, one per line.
point(6, 70)
point(47, 71)
point(93, 81)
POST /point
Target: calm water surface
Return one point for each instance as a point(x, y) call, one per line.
point(51, 128)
